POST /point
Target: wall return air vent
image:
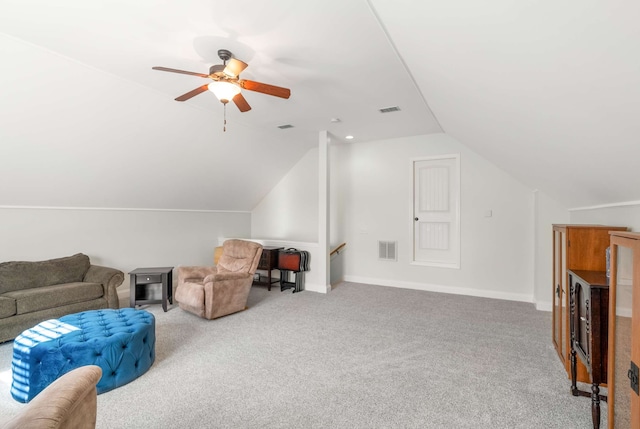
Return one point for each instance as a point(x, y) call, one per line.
point(390, 109)
point(387, 250)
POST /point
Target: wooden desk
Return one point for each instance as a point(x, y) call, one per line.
point(268, 262)
point(589, 325)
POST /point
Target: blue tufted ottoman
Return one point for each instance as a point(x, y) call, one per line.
point(121, 342)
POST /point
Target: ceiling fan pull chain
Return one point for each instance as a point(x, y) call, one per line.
point(224, 123)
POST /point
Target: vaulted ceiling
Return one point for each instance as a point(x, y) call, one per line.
point(547, 90)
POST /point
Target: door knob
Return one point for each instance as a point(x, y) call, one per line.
point(416, 219)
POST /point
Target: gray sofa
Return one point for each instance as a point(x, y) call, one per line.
point(32, 292)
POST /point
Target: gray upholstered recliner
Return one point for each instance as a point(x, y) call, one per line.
point(213, 292)
point(70, 402)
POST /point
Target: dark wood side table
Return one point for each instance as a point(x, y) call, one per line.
point(268, 262)
point(144, 279)
point(589, 325)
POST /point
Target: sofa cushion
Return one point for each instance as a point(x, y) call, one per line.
point(36, 299)
point(7, 307)
point(19, 275)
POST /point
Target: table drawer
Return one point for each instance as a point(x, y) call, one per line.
point(143, 279)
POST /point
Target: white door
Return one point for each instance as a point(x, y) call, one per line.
point(436, 211)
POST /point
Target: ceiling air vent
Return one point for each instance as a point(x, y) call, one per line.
point(284, 127)
point(390, 109)
point(387, 250)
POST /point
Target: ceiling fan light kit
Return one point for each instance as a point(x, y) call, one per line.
point(227, 85)
point(224, 91)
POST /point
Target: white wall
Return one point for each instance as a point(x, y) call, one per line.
point(620, 215)
point(337, 194)
point(497, 252)
point(122, 239)
point(290, 210)
point(337, 203)
point(289, 215)
point(547, 212)
point(507, 255)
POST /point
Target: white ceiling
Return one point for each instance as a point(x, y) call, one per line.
point(547, 90)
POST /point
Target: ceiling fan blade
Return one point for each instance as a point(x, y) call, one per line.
point(188, 95)
point(265, 88)
point(180, 71)
point(241, 102)
point(234, 67)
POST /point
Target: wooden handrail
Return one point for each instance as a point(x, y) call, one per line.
point(337, 249)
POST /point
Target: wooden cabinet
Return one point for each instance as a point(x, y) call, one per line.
point(589, 303)
point(624, 331)
point(268, 262)
point(575, 247)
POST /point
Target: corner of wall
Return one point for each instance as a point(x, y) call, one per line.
point(547, 212)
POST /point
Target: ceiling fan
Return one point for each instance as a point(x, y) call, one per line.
point(227, 84)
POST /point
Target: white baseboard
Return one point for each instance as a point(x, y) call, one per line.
point(548, 306)
point(442, 289)
point(319, 288)
point(544, 306)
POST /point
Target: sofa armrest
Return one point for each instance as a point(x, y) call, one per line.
point(109, 278)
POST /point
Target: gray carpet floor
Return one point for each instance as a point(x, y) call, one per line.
point(360, 357)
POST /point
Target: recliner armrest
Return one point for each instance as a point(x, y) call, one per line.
point(194, 274)
point(218, 277)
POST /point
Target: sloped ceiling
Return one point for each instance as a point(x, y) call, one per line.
point(547, 90)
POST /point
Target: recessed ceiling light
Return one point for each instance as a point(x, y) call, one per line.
point(348, 137)
point(335, 120)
